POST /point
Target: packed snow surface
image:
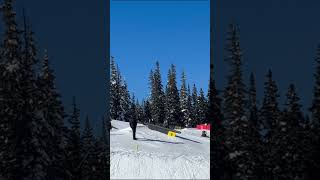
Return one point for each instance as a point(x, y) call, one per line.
point(154, 155)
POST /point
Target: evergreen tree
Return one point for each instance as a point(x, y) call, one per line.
point(195, 107)
point(87, 140)
point(173, 112)
point(139, 112)
point(105, 130)
point(214, 115)
point(268, 117)
point(32, 158)
point(253, 109)
point(147, 112)
point(189, 107)
point(101, 166)
point(238, 130)
point(269, 112)
point(184, 101)
point(133, 109)
point(157, 96)
point(202, 104)
point(73, 146)
point(125, 102)
point(115, 91)
point(315, 122)
point(54, 115)
point(255, 125)
point(10, 97)
point(288, 154)
point(315, 108)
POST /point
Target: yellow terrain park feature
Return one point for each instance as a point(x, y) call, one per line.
point(171, 134)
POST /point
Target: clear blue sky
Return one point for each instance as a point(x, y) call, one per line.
point(74, 33)
point(281, 35)
point(170, 32)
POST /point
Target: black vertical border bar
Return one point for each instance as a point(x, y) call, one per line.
point(211, 72)
point(107, 115)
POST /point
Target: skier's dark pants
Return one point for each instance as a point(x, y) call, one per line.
point(133, 127)
point(134, 132)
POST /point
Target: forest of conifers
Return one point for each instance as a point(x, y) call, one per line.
point(38, 139)
point(251, 141)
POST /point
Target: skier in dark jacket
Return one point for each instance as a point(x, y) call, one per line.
point(133, 125)
point(133, 117)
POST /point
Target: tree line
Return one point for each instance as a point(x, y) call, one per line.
point(38, 139)
point(166, 106)
point(251, 141)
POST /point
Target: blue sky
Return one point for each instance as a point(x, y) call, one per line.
point(280, 35)
point(170, 32)
point(74, 33)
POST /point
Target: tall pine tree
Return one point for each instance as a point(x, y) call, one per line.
point(189, 107)
point(315, 121)
point(195, 107)
point(124, 102)
point(237, 134)
point(11, 100)
point(173, 112)
point(73, 146)
point(288, 151)
point(202, 110)
point(54, 115)
point(214, 116)
point(157, 98)
point(87, 151)
point(185, 109)
point(115, 91)
point(269, 112)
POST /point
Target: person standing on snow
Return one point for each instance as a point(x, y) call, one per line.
point(133, 125)
point(133, 118)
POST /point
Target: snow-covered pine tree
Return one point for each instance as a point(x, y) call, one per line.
point(315, 107)
point(147, 111)
point(214, 116)
point(31, 127)
point(289, 142)
point(101, 165)
point(133, 109)
point(255, 125)
point(195, 107)
point(314, 172)
point(157, 98)
point(87, 151)
point(269, 115)
point(252, 104)
point(189, 107)
point(237, 134)
point(269, 112)
point(203, 106)
point(184, 101)
point(73, 146)
point(115, 91)
point(102, 152)
point(139, 112)
point(124, 102)
point(54, 115)
point(10, 79)
point(105, 130)
point(173, 112)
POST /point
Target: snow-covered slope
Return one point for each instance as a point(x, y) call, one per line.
point(154, 155)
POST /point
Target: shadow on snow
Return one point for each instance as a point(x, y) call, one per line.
point(146, 139)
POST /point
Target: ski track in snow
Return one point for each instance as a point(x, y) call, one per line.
point(158, 156)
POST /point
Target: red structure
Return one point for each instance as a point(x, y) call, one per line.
point(204, 127)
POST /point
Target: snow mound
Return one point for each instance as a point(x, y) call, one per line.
point(154, 155)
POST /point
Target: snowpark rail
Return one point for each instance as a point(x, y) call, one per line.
point(166, 130)
point(161, 129)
